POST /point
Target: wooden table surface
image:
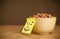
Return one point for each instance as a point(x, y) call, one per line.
point(14, 32)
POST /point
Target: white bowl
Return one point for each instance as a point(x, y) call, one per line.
point(44, 25)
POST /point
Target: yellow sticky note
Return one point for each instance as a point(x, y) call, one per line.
point(29, 25)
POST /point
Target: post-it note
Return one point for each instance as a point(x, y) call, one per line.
point(29, 25)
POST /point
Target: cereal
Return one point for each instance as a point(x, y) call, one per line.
point(42, 15)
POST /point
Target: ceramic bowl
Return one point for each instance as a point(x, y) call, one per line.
point(44, 25)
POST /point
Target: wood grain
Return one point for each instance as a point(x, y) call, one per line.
point(14, 32)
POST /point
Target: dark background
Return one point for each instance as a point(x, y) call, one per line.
point(16, 11)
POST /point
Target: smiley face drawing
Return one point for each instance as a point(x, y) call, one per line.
point(29, 25)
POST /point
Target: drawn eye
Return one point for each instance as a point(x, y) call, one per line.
point(32, 22)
